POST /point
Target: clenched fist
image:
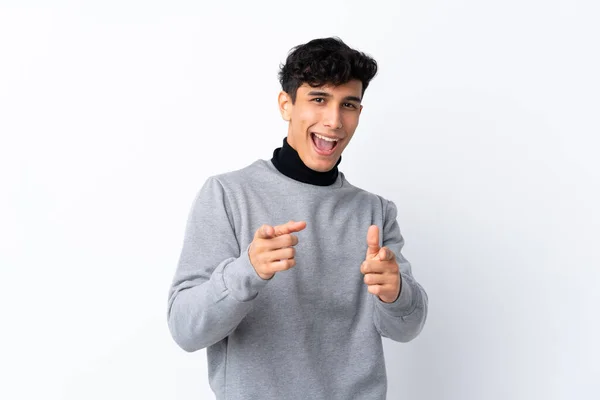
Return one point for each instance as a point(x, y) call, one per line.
point(272, 248)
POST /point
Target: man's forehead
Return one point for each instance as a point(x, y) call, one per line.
point(351, 88)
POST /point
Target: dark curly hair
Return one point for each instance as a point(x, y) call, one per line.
point(325, 61)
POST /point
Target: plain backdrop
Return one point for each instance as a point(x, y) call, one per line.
point(482, 125)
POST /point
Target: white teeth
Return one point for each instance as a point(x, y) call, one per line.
point(325, 138)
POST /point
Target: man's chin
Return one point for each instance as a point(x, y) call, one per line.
point(322, 166)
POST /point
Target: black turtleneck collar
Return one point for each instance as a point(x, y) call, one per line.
point(289, 163)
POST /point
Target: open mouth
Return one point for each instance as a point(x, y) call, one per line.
point(323, 146)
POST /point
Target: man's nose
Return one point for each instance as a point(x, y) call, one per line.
point(333, 118)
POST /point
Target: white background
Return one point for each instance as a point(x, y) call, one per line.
point(482, 126)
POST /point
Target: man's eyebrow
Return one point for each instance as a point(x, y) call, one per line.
point(325, 94)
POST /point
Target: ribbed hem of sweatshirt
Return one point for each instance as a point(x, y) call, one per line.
point(404, 304)
point(241, 279)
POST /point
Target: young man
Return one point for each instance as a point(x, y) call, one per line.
point(297, 310)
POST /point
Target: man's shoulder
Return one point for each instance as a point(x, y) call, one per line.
point(241, 176)
point(375, 199)
point(362, 192)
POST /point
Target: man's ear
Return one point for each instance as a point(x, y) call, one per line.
point(285, 105)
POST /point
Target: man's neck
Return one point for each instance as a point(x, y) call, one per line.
point(287, 161)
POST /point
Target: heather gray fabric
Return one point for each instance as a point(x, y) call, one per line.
point(312, 332)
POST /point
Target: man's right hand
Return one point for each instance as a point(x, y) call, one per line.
point(272, 249)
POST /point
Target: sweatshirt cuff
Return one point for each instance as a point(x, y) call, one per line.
point(404, 303)
point(241, 279)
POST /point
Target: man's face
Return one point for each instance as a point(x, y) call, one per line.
point(330, 111)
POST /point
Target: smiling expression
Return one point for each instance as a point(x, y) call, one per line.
point(329, 111)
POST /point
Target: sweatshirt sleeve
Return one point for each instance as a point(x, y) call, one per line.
point(215, 283)
point(403, 319)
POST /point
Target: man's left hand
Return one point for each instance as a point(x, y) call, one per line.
point(381, 269)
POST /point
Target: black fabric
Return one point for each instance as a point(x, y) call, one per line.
point(287, 160)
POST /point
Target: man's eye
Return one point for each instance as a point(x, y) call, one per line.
point(316, 100)
point(349, 105)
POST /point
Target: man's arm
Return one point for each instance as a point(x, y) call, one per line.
point(403, 319)
point(215, 283)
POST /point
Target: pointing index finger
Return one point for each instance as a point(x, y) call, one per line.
point(388, 255)
point(289, 227)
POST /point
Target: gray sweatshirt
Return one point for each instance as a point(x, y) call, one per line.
point(311, 332)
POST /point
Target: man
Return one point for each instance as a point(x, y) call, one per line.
point(297, 310)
